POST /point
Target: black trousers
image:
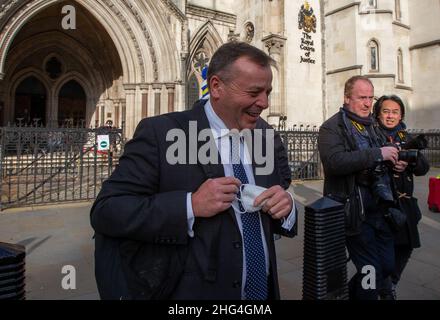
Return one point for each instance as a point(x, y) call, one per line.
point(372, 248)
point(402, 254)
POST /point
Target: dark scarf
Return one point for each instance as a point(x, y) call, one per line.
point(361, 129)
point(396, 134)
point(352, 116)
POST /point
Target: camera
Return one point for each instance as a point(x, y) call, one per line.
point(409, 156)
point(410, 149)
point(379, 180)
point(418, 143)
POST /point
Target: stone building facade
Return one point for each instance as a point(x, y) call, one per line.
point(90, 61)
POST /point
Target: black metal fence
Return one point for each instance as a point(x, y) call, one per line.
point(302, 149)
point(432, 153)
point(45, 165)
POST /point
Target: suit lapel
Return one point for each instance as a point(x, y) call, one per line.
point(212, 170)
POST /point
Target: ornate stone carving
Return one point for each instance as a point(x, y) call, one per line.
point(210, 14)
point(174, 9)
point(5, 31)
point(232, 36)
point(185, 40)
point(6, 6)
point(274, 44)
point(147, 36)
point(127, 27)
point(249, 32)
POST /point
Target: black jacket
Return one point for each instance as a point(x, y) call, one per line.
point(142, 248)
point(342, 160)
point(404, 189)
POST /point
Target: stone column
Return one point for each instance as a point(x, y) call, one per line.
point(144, 93)
point(103, 115)
point(117, 106)
point(170, 87)
point(2, 105)
point(157, 87)
point(275, 46)
point(122, 105)
point(98, 114)
point(130, 108)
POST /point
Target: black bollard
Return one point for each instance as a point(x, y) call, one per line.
point(325, 260)
point(12, 271)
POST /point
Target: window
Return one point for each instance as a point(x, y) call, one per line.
point(400, 77)
point(373, 55)
point(53, 68)
point(398, 10)
point(193, 90)
point(372, 3)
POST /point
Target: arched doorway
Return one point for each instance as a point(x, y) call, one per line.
point(30, 102)
point(55, 55)
point(72, 104)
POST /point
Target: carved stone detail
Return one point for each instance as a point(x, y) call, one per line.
point(249, 32)
point(274, 44)
point(127, 27)
point(6, 6)
point(147, 36)
point(174, 9)
point(5, 34)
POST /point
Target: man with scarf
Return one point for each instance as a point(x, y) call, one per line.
point(351, 153)
point(389, 111)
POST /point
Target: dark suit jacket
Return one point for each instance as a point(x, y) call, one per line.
point(141, 213)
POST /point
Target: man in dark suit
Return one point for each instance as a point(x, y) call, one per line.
point(168, 229)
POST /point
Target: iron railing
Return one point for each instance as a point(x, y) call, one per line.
point(46, 165)
point(302, 150)
point(304, 161)
point(51, 165)
point(432, 153)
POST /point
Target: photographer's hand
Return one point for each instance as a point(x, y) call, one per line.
point(400, 166)
point(390, 154)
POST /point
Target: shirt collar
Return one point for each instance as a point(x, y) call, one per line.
point(218, 127)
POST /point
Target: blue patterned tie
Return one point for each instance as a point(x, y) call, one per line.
point(256, 278)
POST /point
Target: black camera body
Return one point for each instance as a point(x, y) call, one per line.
point(418, 143)
point(409, 151)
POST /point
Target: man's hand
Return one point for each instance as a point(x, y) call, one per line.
point(214, 196)
point(279, 203)
point(400, 166)
point(390, 153)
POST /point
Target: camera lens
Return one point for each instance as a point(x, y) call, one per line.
point(409, 156)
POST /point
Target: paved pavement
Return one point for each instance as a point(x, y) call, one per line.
point(56, 236)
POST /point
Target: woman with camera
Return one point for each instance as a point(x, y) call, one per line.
point(389, 111)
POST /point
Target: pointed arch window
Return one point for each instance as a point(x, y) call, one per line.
point(373, 56)
point(30, 102)
point(193, 90)
point(400, 77)
point(72, 104)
